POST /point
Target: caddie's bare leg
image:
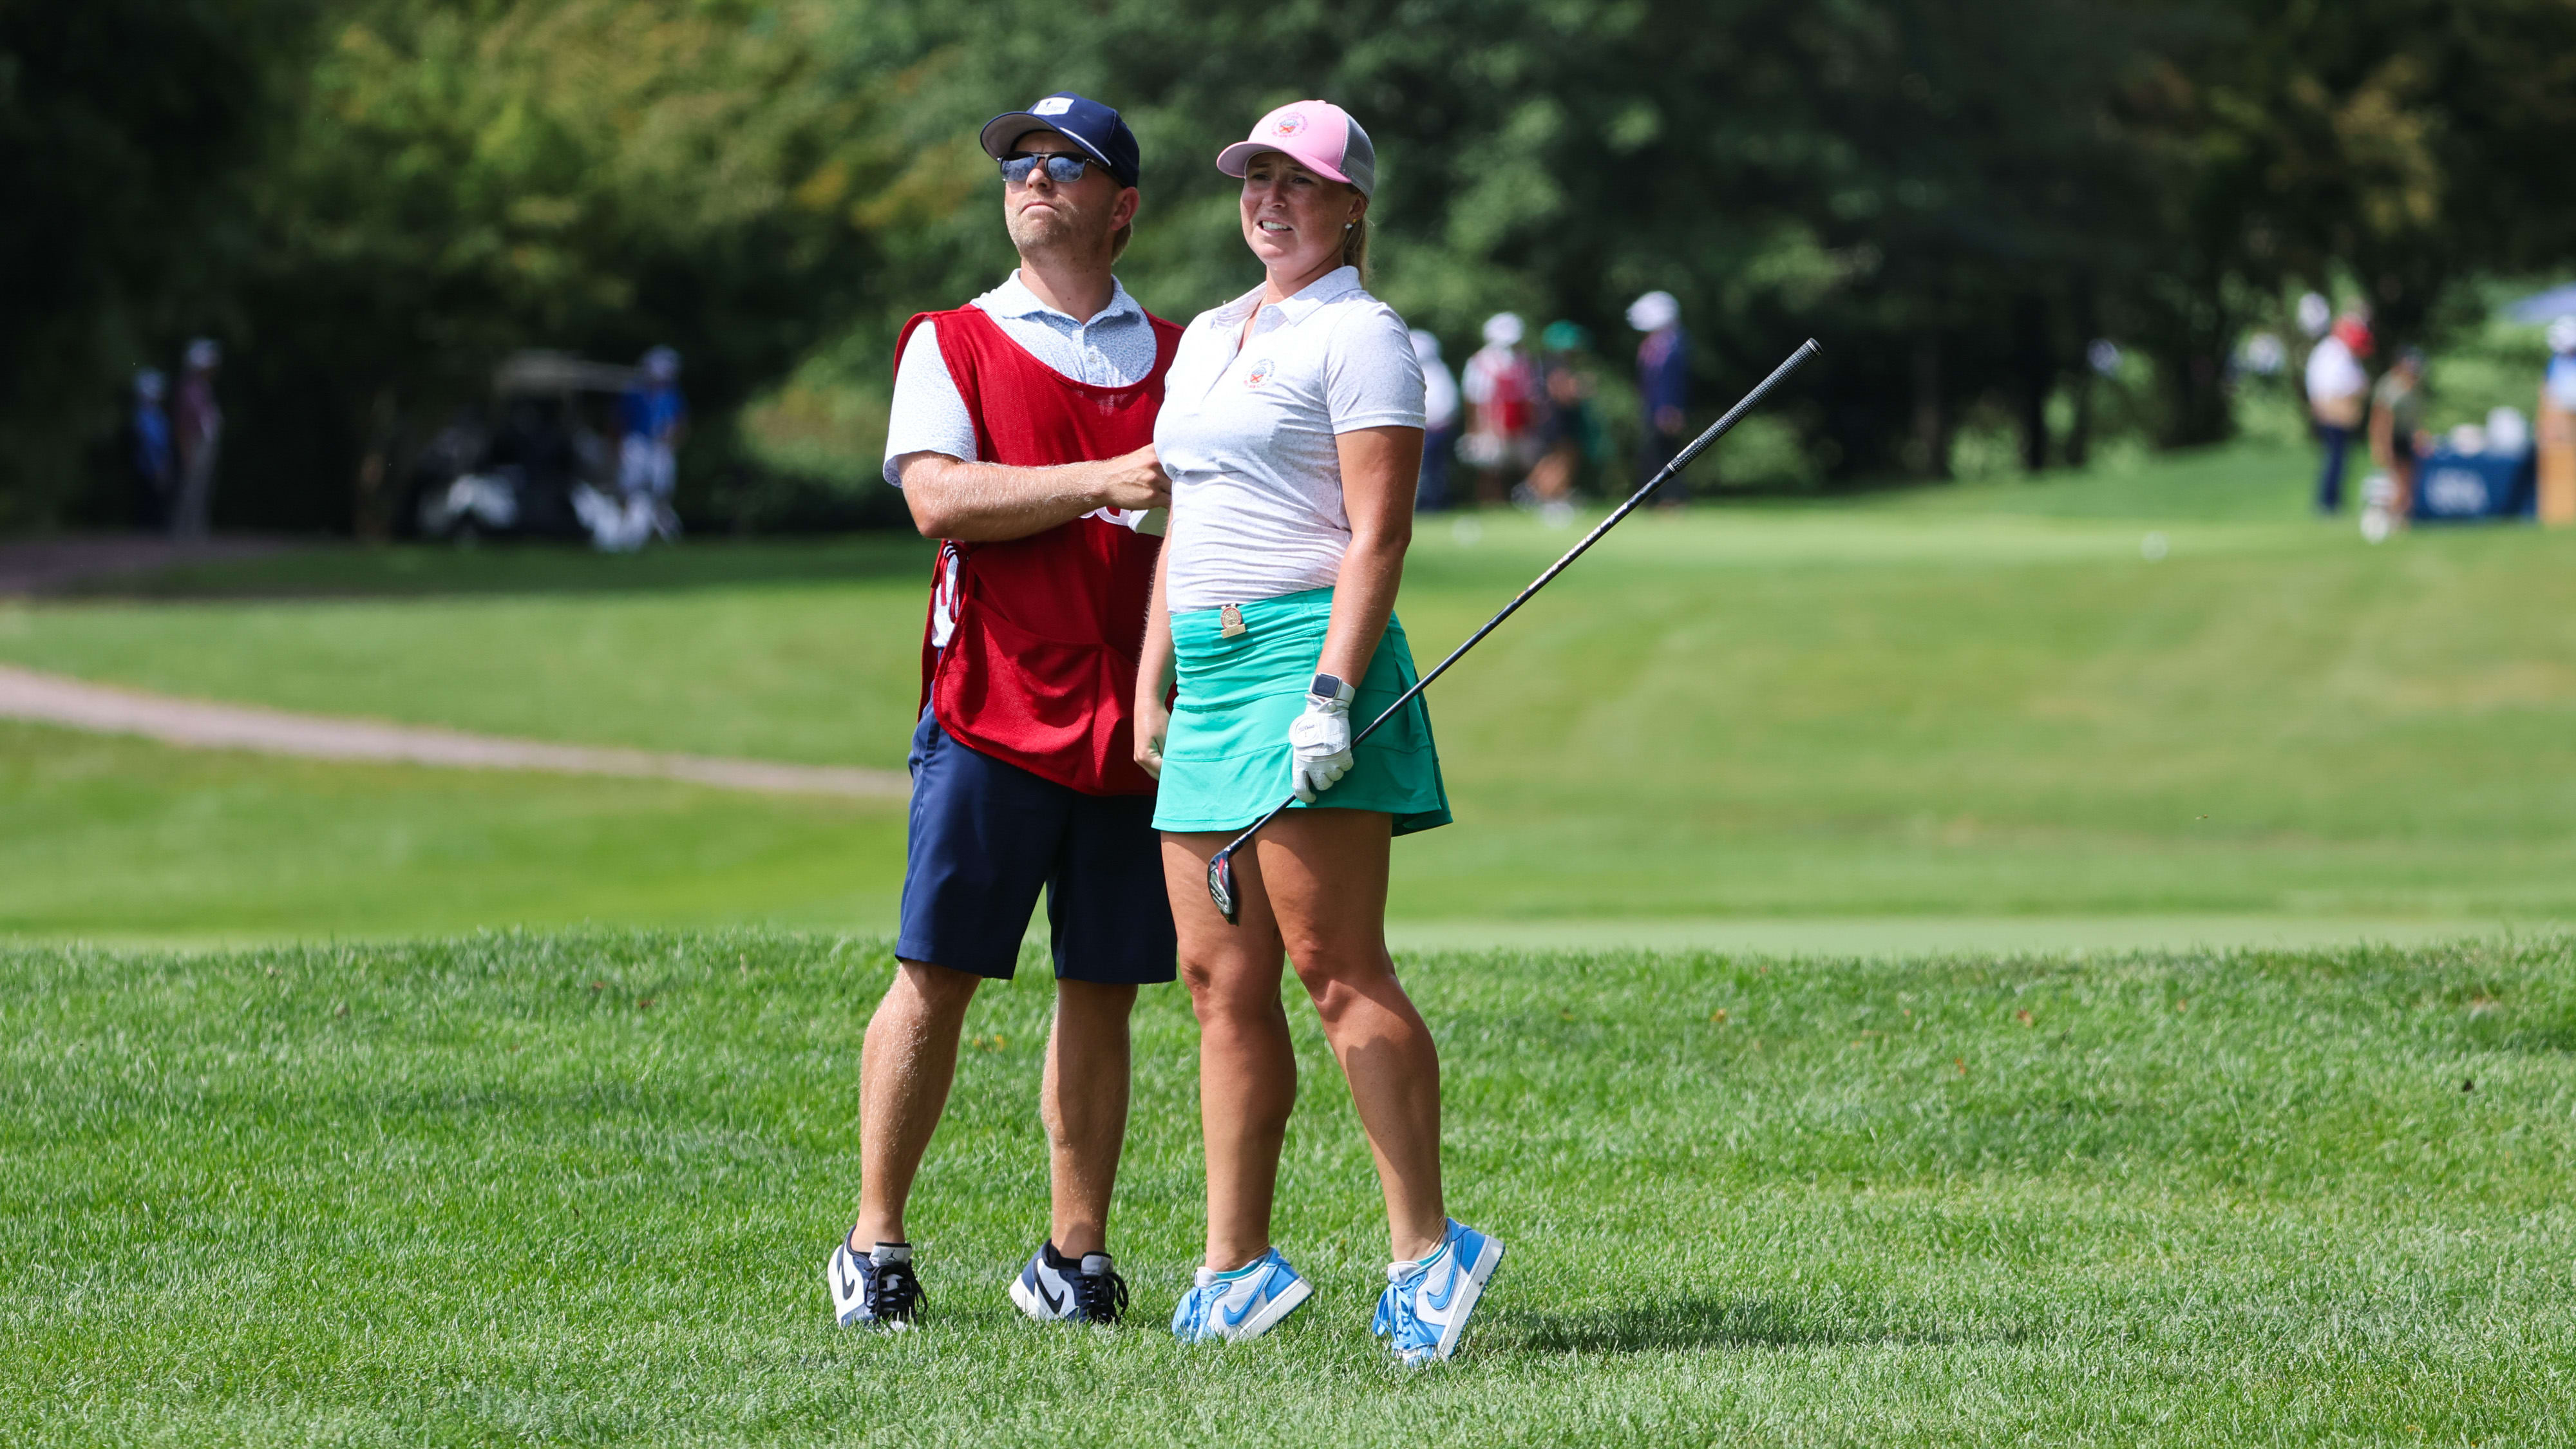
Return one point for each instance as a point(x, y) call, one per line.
point(905, 1070)
point(1084, 1103)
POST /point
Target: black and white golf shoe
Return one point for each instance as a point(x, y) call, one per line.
point(875, 1291)
point(1056, 1289)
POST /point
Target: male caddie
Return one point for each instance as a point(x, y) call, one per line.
point(1022, 438)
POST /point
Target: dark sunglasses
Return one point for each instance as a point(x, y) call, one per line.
point(1062, 167)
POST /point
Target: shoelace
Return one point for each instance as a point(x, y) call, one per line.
point(894, 1295)
point(1099, 1299)
point(1394, 1317)
point(1189, 1316)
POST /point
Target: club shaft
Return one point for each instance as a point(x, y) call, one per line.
point(1663, 475)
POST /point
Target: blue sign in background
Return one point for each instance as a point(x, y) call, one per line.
point(2457, 487)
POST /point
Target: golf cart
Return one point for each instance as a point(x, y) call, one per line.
point(544, 463)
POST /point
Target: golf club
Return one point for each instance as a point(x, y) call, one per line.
point(1220, 871)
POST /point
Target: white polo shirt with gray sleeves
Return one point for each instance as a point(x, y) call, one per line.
point(1114, 349)
point(1247, 435)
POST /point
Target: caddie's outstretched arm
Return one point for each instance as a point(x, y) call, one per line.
point(992, 502)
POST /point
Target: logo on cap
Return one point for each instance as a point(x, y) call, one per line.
point(1289, 124)
point(1052, 106)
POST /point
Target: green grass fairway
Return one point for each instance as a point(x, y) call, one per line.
point(1982, 701)
point(125, 839)
point(576, 1189)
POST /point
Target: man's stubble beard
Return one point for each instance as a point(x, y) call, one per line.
point(1053, 233)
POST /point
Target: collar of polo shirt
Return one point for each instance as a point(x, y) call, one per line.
point(1332, 286)
point(1014, 299)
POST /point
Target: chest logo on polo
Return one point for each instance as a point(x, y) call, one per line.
point(1259, 373)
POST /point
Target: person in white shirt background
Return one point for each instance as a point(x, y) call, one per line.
point(1292, 429)
point(1501, 388)
point(2338, 392)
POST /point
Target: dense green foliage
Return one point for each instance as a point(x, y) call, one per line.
point(463, 179)
point(1971, 701)
point(578, 1189)
point(126, 130)
point(371, 199)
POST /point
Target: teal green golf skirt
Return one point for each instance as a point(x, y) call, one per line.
point(1225, 759)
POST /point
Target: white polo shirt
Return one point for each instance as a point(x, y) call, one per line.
point(2334, 373)
point(1247, 435)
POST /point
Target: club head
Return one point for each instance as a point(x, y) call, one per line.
point(1220, 883)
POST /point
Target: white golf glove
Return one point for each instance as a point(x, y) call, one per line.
point(1319, 743)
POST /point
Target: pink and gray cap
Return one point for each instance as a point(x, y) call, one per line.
point(1317, 135)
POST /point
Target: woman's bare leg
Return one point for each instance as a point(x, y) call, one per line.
point(1323, 875)
point(1247, 1065)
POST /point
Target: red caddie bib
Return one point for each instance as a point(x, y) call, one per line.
point(1039, 669)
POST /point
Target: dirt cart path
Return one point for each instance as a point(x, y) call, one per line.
point(54, 699)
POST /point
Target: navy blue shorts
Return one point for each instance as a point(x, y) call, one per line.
point(985, 835)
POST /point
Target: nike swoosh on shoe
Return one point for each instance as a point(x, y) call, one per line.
point(1235, 1320)
point(1448, 1293)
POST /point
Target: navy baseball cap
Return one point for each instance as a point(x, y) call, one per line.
point(1085, 122)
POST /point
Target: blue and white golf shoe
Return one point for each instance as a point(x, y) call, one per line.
point(1423, 1312)
point(1242, 1304)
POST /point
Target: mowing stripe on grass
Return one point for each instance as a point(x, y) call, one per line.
point(53, 699)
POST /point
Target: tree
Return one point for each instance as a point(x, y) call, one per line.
point(2407, 143)
point(126, 131)
point(470, 178)
point(376, 199)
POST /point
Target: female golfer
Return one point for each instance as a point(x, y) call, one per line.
point(1292, 431)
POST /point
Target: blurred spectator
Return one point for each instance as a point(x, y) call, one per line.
point(1564, 436)
point(2337, 391)
point(1663, 388)
point(2508, 431)
point(2316, 314)
point(1500, 387)
point(155, 463)
point(652, 418)
point(2557, 505)
point(1440, 423)
point(199, 426)
point(2396, 426)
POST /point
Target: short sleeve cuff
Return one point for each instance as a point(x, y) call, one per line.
point(927, 414)
point(1383, 419)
